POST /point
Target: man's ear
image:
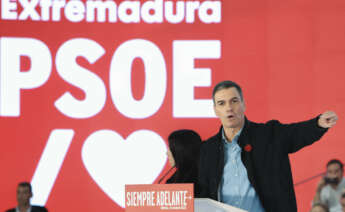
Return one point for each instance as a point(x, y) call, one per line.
point(244, 104)
point(214, 109)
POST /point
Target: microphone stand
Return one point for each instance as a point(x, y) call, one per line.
point(160, 179)
point(309, 179)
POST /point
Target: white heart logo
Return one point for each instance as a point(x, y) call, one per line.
point(113, 162)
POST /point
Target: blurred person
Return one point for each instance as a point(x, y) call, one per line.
point(342, 201)
point(183, 153)
point(24, 194)
point(330, 187)
point(246, 164)
point(319, 208)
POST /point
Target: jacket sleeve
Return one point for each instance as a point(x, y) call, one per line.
point(295, 136)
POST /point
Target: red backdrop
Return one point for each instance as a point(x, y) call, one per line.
point(107, 94)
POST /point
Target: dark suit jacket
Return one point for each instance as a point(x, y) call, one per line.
point(267, 162)
point(33, 209)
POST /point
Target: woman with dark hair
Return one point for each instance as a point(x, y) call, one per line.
point(183, 153)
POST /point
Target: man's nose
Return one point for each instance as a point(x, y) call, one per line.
point(229, 107)
point(332, 175)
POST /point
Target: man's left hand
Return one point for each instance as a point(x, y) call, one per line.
point(328, 119)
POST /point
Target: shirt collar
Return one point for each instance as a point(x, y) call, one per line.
point(234, 140)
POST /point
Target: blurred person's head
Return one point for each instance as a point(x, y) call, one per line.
point(335, 170)
point(319, 208)
point(24, 193)
point(184, 149)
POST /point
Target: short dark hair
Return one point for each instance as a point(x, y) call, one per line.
point(25, 184)
point(336, 161)
point(224, 85)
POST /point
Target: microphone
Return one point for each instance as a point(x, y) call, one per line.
point(160, 179)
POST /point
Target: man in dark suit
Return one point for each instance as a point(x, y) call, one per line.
point(24, 193)
point(246, 164)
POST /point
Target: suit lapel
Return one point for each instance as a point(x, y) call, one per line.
point(246, 156)
point(220, 153)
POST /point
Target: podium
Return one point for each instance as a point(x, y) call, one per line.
point(210, 205)
point(170, 198)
